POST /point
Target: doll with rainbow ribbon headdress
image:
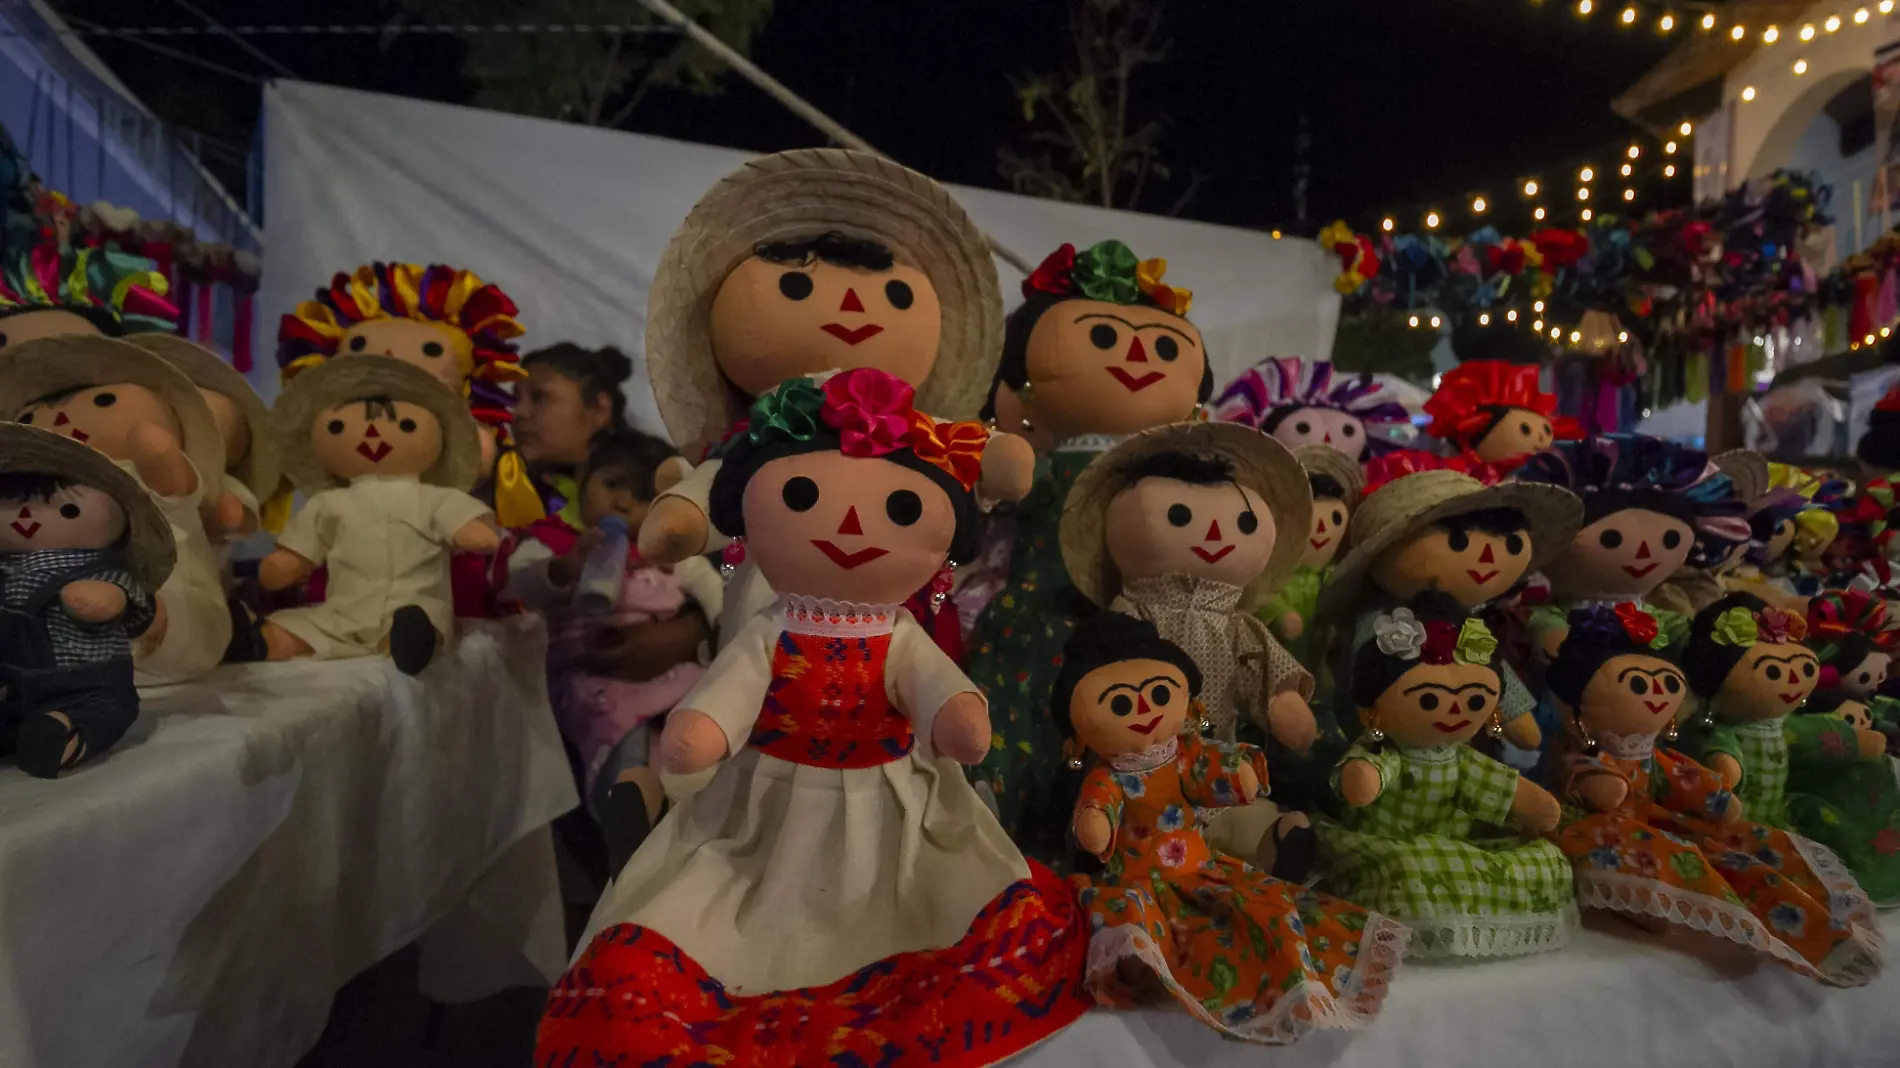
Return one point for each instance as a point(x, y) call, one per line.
point(1303, 402)
point(1658, 838)
point(51, 290)
point(1714, 553)
point(1495, 412)
point(1849, 631)
point(1814, 774)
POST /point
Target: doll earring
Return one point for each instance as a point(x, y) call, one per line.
point(1028, 427)
point(1670, 734)
point(1496, 727)
point(941, 584)
point(1072, 751)
point(1374, 735)
point(730, 556)
point(1589, 743)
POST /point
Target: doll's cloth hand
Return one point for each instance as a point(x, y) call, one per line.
point(93, 601)
point(691, 742)
point(1289, 626)
point(1009, 468)
point(1727, 767)
point(646, 651)
point(283, 569)
point(961, 729)
point(160, 461)
point(1602, 790)
point(1359, 783)
point(224, 517)
point(1290, 719)
point(1092, 831)
point(1873, 744)
point(477, 536)
point(565, 570)
point(1733, 813)
point(1248, 782)
point(675, 528)
point(1534, 809)
point(1523, 732)
point(1553, 640)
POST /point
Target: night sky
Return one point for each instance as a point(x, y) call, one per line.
point(1411, 102)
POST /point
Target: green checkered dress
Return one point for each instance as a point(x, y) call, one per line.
point(1762, 750)
point(1410, 854)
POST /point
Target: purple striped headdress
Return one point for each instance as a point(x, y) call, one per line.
point(1284, 384)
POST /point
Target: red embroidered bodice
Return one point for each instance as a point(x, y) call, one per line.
point(826, 706)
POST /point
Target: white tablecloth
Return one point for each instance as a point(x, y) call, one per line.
point(1609, 999)
point(264, 834)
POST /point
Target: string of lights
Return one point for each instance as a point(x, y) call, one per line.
point(1698, 16)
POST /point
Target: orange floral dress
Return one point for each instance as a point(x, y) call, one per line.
point(1251, 956)
point(1662, 853)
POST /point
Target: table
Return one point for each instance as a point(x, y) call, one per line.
point(1613, 997)
point(267, 832)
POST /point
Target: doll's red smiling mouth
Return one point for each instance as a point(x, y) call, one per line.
point(1136, 384)
point(1639, 572)
point(26, 530)
point(1656, 706)
point(1213, 557)
point(1148, 727)
point(851, 336)
point(1450, 728)
point(1482, 577)
point(1791, 698)
point(1319, 543)
point(848, 560)
point(376, 454)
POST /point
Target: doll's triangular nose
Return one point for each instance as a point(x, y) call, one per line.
point(1486, 556)
point(851, 302)
point(371, 432)
point(1213, 531)
point(26, 513)
point(1141, 706)
point(851, 524)
point(1136, 353)
point(1322, 526)
point(60, 419)
point(1642, 550)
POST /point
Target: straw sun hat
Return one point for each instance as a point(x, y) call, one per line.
point(29, 449)
point(1260, 464)
point(208, 371)
point(35, 370)
point(800, 194)
point(1747, 469)
point(1409, 504)
point(337, 382)
point(1336, 465)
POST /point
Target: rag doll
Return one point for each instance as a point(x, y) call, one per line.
point(1815, 775)
point(1706, 574)
point(54, 290)
point(1181, 526)
point(1848, 631)
point(837, 893)
point(1101, 348)
point(800, 263)
point(1796, 534)
point(1495, 412)
point(1659, 838)
point(250, 476)
point(385, 457)
point(1167, 903)
point(1426, 524)
point(81, 549)
point(1408, 843)
point(150, 420)
point(1336, 483)
point(1300, 402)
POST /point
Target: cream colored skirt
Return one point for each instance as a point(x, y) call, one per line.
point(778, 875)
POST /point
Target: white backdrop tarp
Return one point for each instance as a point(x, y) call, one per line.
point(571, 220)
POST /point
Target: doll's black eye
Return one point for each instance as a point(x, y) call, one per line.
point(1302, 428)
point(1773, 673)
point(1428, 701)
point(1122, 704)
point(358, 344)
point(1639, 685)
point(1168, 349)
point(1339, 518)
point(1102, 336)
point(1248, 522)
point(407, 426)
point(1180, 515)
point(1610, 539)
point(1348, 430)
point(1476, 704)
point(904, 507)
point(795, 285)
point(432, 348)
point(1458, 540)
point(70, 511)
point(899, 294)
point(1808, 670)
point(800, 493)
point(336, 426)
point(1514, 544)
point(1160, 696)
point(1671, 539)
point(1862, 677)
point(1672, 684)
point(27, 418)
point(104, 400)
point(1524, 429)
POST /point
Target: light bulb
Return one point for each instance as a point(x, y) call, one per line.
point(1623, 337)
point(1537, 307)
point(1670, 148)
point(1538, 214)
point(1431, 220)
point(1477, 205)
point(1860, 16)
point(1635, 151)
point(1738, 32)
point(1413, 321)
point(1669, 171)
point(1886, 7)
point(1771, 35)
point(1484, 318)
point(1629, 194)
point(1576, 336)
point(1276, 235)
point(1587, 215)
point(1748, 93)
point(1530, 188)
point(1666, 23)
point(1584, 7)
point(1511, 316)
point(1627, 170)
point(1686, 129)
point(1538, 326)
point(1436, 322)
point(1556, 332)
point(1708, 22)
point(1586, 174)
point(1800, 67)
point(1583, 194)
point(1388, 224)
point(1868, 340)
point(1832, 24)
point(1629, 15)
point(1807, 32)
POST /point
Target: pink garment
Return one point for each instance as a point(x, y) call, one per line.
point(595, 712)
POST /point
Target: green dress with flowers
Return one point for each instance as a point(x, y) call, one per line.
point(1411, 854)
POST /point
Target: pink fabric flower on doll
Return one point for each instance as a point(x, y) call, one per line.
point(870, 409)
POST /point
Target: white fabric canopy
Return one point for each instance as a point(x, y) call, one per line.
point(198, 895)
point(571, 220)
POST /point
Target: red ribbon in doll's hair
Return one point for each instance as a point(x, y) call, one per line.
point(1638, 624)
point(1402, 462)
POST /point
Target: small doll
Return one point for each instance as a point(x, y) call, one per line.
point(1495, 412)
point(1848, 631)
point(1657, 837)
point(1406, 844)
point(1298, 402)
point(150, 420)
point(837, 892)
point(1167, 903)
point(82, 548)
point(1100, 348)
point(385, 458)
point(55, 290)
point(1337, 484)
point(1713, 556)
point(1426, 524)
point(250, 474)
point(1815, 775)
point(1181, 526)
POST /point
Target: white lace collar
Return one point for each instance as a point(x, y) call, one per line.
point(1148, 759)
point(826, 618)
point(1430, 754)
point(1090, 442)
point(1637, 746)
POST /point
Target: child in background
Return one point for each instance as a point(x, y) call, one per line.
point(610, 720)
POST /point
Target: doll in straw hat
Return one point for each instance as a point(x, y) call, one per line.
point(800, 263)
point(1658, 837)
point(82, 549)
point(1337, 484)
point(150, 420)
point(1495, 412)
point(1429, 523)
point(250, 474)
point(1714, 556)
point(385, 457)
point(50, 290)
point(1187, 526)
point(1305, 402)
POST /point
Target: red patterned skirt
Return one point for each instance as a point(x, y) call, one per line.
point(1015, 979)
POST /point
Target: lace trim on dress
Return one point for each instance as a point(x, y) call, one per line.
point(825, 618)
point(1627, 746)
point(1430, 754)
point(1844, 893)
point(1090, 442)
point(1855, 962)
point(1436, 937)
point(1148, 759)
point(1308, 1005)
